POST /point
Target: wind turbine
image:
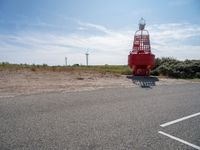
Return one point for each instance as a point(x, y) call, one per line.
point(87, 54)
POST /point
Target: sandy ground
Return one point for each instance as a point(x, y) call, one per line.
point(24, 82)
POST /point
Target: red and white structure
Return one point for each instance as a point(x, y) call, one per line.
point(140, 59)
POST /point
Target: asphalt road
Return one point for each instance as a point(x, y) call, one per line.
point(115, 118)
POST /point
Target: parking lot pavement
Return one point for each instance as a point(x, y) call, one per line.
point(114, 118)
point(185, 130)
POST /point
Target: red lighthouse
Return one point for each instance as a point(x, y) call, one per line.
point(140, 59)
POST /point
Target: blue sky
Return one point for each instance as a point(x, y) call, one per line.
point(45, 31)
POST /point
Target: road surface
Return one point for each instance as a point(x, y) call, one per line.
point(110, 118)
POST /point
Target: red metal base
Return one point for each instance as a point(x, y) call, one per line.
point(141, 63)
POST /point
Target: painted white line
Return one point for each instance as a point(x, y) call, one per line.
point(7, 96)
point(180, 140)
point(180, 119)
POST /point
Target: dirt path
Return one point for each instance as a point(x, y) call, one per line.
point(23, 82)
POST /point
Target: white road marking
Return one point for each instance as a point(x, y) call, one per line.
point(180, 140)
point(7, 96)
point(180, 119)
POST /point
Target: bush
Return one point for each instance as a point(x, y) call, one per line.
point(75, 65)
point(177, 69)
point(127, 71)
point(33, 69)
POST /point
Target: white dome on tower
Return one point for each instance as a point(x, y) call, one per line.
point(142, 24)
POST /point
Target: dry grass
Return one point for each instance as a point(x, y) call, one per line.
point(114, 69)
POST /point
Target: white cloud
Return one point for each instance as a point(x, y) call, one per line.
point(174, 32)
point(111, 47)
point(179, 2)
point(91, 25)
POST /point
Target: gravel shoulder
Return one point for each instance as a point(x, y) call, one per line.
point(23, 82)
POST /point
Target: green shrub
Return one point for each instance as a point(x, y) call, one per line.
point(176, 69)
